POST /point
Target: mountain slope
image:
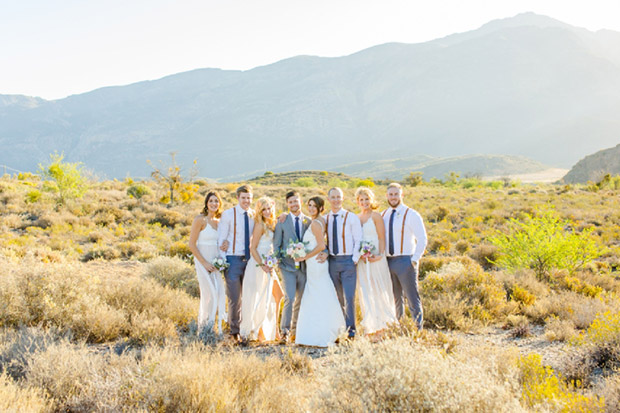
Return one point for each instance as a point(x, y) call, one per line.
point(594, 167)
point(528, 86)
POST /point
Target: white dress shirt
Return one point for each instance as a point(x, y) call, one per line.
point(352, 233)
point(226, 230)
point(414, 234)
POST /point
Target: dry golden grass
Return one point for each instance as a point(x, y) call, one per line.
point(16, 398)
point(400, 375)
point(64, 271)
point(95, 305)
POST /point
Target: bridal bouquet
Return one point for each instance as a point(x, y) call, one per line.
point(296, 250)
point(270, 261)
point(366, 249)
point(220, 264)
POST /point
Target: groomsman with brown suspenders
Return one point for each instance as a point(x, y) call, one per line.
point(234, 232)
point(405, 244)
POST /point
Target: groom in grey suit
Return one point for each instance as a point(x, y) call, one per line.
point(294, 279)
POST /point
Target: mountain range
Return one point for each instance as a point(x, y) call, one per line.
point(527, 86)
point(593, 167)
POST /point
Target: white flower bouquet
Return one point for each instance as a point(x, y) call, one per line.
point(220, 264)
point(296, 250)
point(270, 261)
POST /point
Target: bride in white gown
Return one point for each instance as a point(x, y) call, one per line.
point(203, 244)
point(260, 292)
point(373, 274)
point(320, 319)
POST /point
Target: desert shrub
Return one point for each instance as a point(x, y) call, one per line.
point(19, 344)
point(175, 273)
point(439, 245)
point(179, 249)
point(559, 330)
point(400, 375)
point(166, 379)
point(67, 180)
point(93, 307)
point(305, 182)
point(137, 191)
point(542, 243)
point(15, 398)
point(521, 295)
point(167, 217)
point(438, 214)
point(485, 255)
point(567, 305)
point(462, 246)
point(368, 182)
point(433, 263)
point(154, 311)
point(101, 251)
point(461, 294)
point(605, 329)
point(610, 391)
point(413, 179)
point(529, 288)
point(544, 389)
point(33, 196)
point(577, 285)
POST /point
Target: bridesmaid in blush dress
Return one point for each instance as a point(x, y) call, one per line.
point(203, 244)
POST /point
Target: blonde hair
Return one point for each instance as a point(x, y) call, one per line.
point(362, 190)
point(395, 185)
point(261, 204)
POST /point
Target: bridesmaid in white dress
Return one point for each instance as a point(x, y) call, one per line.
point(203, 244)
point(373, 274)
point(261, 292)
point(320, 319)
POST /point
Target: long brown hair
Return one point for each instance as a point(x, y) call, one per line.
point(205, 210)
point(319, 203)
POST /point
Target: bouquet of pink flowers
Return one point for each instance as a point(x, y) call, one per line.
point(220, 264)
point(366, 249)
point(296, 250)
point(270, 261)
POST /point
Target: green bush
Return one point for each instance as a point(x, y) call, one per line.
point(543, 243)
point(33, 196)
point(305, 182)
point(137, 191)
point(67, 180)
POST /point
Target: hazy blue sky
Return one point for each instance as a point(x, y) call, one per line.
point(56, 48)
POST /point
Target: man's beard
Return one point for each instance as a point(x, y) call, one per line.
point(394, 205)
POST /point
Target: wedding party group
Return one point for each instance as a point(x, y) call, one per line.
point(324, 260)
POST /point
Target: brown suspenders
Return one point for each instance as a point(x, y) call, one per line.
point(344, 229)
point(402, 231)
point(327, 230)
point(234, 230)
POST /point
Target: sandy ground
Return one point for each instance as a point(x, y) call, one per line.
point(546, 176)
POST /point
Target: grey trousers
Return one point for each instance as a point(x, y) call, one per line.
point(344, 276)
point(405, 284)
point(234, 281)
point(294, 284)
